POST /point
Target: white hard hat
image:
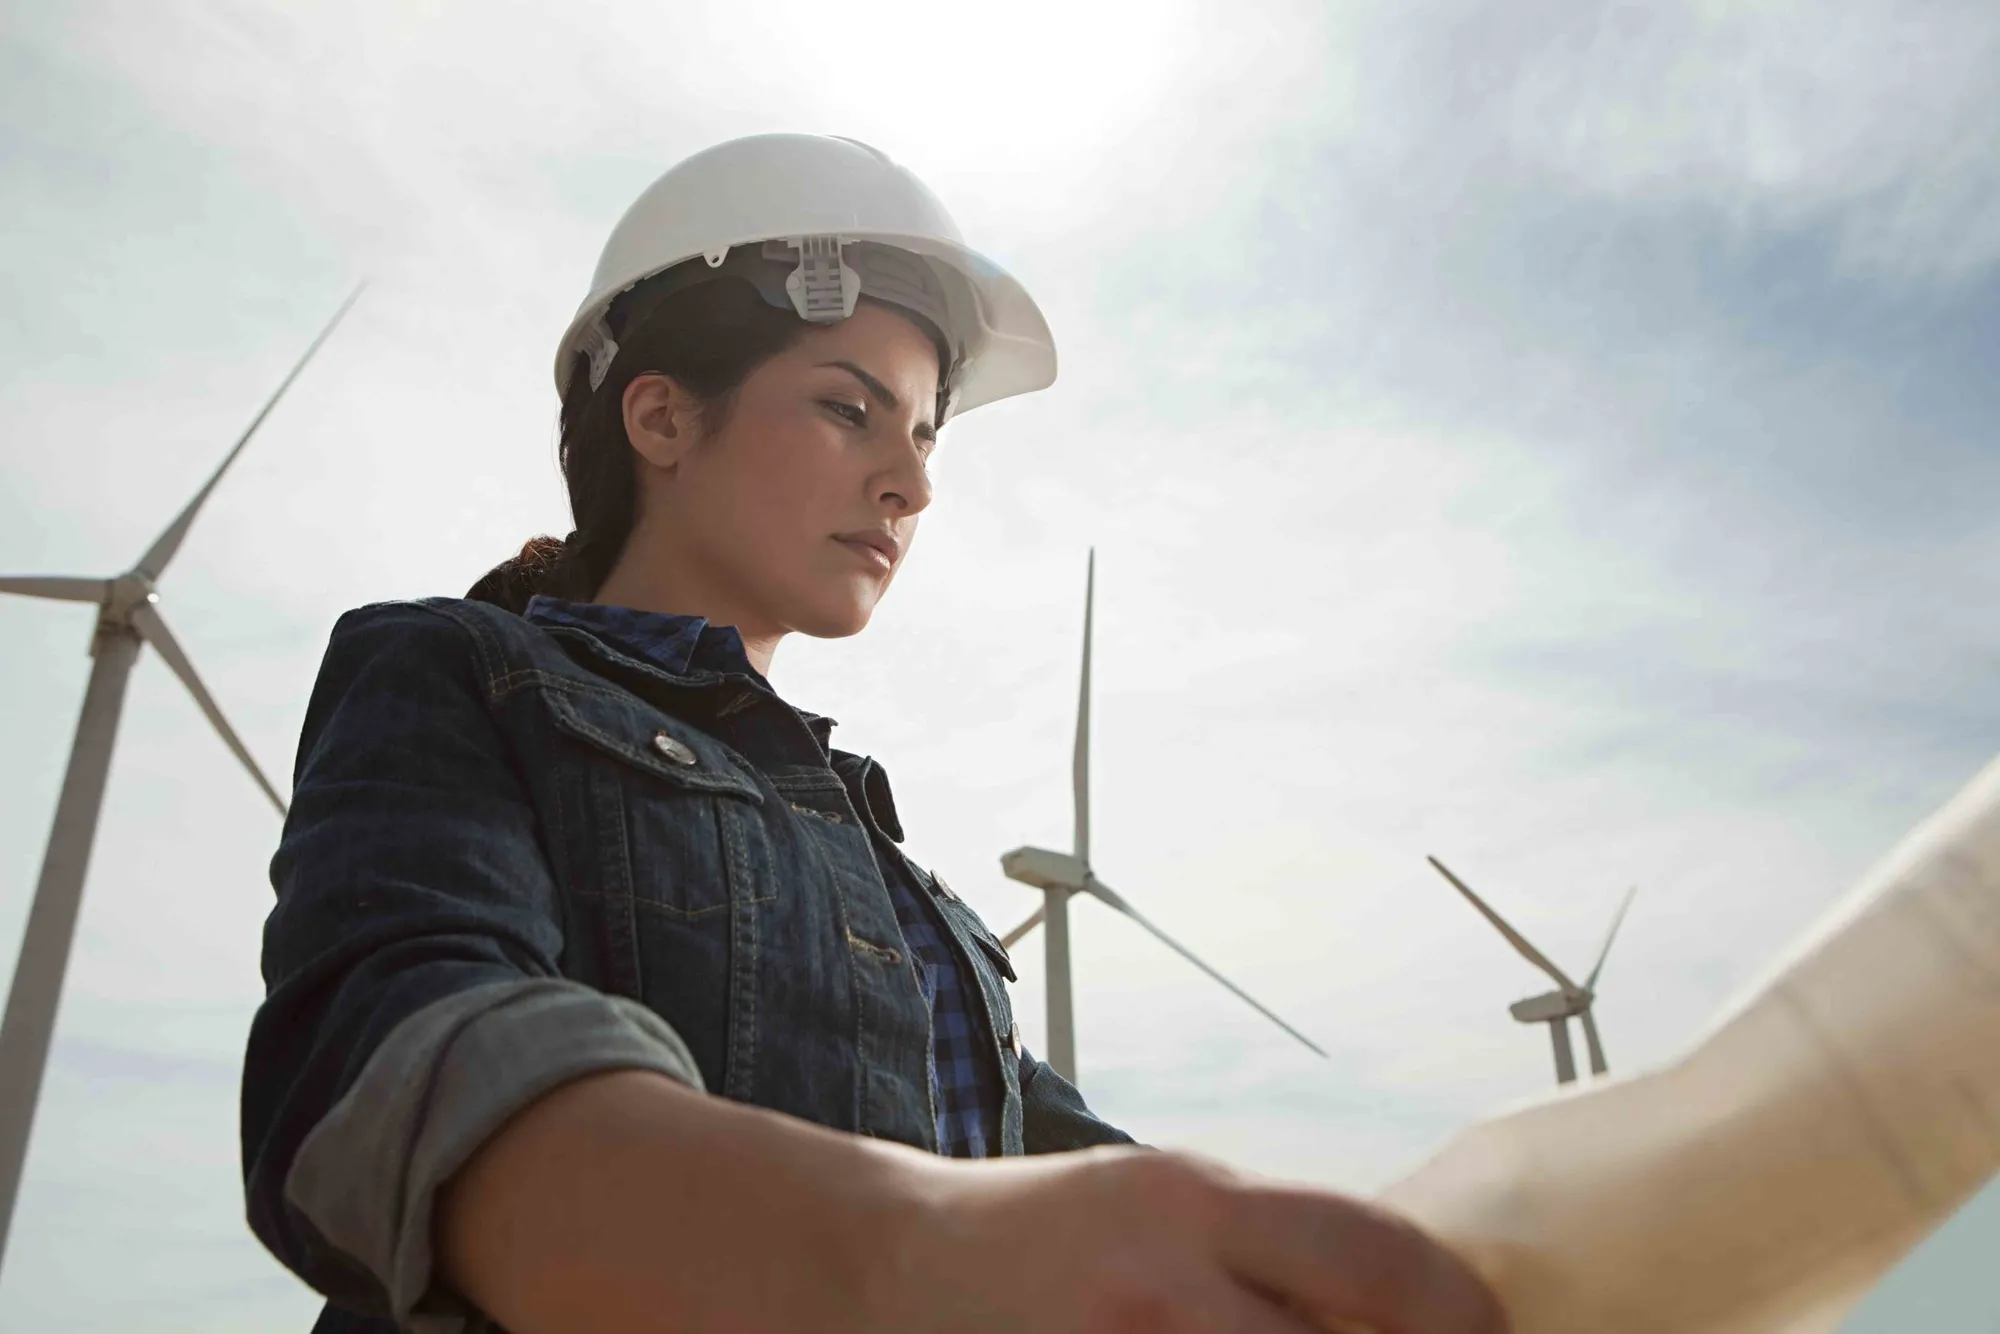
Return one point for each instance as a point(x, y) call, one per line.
point(814, 222)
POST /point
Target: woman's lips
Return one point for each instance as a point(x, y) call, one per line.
point(875, 551)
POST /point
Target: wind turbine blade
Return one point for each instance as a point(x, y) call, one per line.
point(146, 619)
point(1565, 1055)
point(1593, 1043)
point(1590, 983)
point(1034, 920)
point(154, 562)
point(1514, 938)
point(1080, 762)
point(55, 586)
point(1116, 900)
point(36, 990)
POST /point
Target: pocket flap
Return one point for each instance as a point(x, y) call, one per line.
point(628, 729)
point(998, 953)
point(969, 922)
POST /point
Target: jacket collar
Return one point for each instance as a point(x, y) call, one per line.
point(676, 645)
point(686, 650)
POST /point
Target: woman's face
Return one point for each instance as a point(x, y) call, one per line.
point(796, 511)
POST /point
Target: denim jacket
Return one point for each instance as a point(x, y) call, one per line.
point(517, 856)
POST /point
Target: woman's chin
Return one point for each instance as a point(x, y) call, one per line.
point(837, 617)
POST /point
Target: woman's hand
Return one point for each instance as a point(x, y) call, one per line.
point(1119, 1241)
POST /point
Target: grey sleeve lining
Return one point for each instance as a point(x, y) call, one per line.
point(443, 1081)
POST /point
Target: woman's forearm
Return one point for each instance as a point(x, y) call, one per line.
point(627, 1202)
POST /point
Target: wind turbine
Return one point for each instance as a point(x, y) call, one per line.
point(1555, 1008)
point(1059, 875)
point(128, 615)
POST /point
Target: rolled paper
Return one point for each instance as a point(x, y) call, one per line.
point(1767, 1179)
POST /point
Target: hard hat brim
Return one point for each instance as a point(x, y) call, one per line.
point(1008, 347)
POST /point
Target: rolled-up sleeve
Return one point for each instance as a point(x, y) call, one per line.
point(415, 1002)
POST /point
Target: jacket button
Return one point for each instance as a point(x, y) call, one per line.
point(672, 749)
point(1014, 1040)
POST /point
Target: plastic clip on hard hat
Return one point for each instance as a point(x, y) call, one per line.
point(594, 340)
point(823, 290)
point(811, 197)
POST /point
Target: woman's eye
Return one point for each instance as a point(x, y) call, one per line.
point(851, 412)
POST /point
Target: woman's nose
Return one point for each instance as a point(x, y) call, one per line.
point(907, 487)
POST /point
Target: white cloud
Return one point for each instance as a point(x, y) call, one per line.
point(1870, 118)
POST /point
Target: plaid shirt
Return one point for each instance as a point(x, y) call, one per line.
point(965, 1081)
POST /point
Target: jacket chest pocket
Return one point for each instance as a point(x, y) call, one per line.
point(654, 810)
point(991, 963)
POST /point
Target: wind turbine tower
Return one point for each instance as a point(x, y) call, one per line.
point(1063, 875)
point(1568, 1001)
point(128, 615)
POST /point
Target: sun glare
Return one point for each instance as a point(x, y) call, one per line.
point(1037, 85)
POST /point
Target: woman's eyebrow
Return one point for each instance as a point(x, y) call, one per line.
point(868, 382)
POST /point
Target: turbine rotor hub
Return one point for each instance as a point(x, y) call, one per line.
point(126, 594)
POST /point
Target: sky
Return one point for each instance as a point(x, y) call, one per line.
point(1558, 437)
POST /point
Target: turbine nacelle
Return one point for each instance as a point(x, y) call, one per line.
point(1550, 1005)
point(1046, 870)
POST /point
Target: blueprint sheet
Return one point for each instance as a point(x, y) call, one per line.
point(1768, 1178)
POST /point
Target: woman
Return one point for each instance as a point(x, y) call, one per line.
point(601, 995)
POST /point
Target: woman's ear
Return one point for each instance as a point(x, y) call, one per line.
point(662, 419)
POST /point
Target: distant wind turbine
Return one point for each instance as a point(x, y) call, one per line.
point(128, 615)
point(1059, 875)
point(1555, 1008)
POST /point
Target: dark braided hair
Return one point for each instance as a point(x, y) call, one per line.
point(708, 338)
